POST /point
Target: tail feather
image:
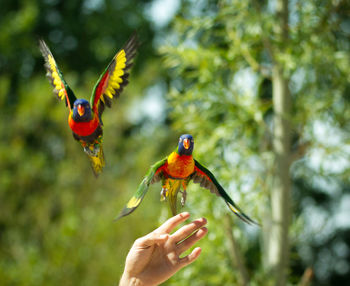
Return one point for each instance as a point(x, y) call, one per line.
point(97, 162)
point(174, 188)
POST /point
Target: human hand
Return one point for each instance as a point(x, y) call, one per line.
point(156, 257)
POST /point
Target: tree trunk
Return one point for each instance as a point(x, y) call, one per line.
point(278, 246)
point(237, 258)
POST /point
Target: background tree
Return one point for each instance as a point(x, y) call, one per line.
point(296, 53)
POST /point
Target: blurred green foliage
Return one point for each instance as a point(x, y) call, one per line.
point(56, 219)
point(220, 55)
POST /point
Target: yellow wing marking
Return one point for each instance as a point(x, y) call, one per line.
point(233, 209)
point(57, 82)
point(116, 77)
point(133, 202)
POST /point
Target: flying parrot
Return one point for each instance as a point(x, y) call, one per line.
point(176, 171)
point(85, 118)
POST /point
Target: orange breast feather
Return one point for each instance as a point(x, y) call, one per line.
point(180, 166)
point(83, 128)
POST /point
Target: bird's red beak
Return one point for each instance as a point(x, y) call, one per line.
point(81, 109)
point(186, 143)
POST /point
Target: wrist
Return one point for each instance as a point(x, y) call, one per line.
point(127, 280)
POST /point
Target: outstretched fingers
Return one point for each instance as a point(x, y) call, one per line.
point(186, 230)
point(190, 241)
point(162, 233)
point(171, 223)
point(191, 257)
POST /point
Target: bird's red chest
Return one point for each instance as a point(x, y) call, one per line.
point(180, 166)
point(83, 128)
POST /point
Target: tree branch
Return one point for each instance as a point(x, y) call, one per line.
point(307, 277)
point(235, 253)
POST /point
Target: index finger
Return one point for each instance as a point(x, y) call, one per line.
point(171, 223)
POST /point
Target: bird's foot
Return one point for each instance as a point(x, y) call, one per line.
point(92, 150)
point(183, 197)
point(163, 194)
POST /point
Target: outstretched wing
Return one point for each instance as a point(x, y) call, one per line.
point(155, 174)
point(206, 179)
point(60, 87)
point(114, 78)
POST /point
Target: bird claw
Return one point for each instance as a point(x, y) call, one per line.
point(92, 152)
point(163, 194)
point(183, 197)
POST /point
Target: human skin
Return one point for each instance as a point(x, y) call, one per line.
point(155, 257)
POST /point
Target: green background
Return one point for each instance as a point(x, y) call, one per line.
point(203, 69)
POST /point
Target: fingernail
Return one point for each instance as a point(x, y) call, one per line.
point(184, 214)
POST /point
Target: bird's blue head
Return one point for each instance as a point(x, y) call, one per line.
point(186, 144)
point(81, 111)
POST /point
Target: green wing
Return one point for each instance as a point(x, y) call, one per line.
point(60, 87)
point(155, 174)
point(206, 179)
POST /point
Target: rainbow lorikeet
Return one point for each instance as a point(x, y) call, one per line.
point(176, 171)
point(85, 118)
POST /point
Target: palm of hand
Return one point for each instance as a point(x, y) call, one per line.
point(156, 257)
